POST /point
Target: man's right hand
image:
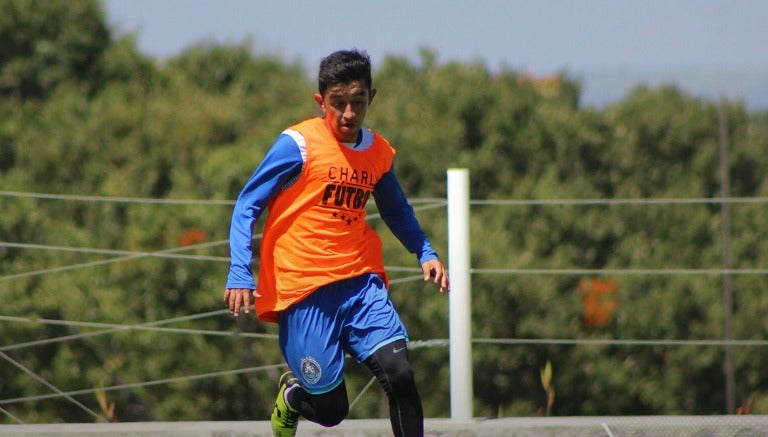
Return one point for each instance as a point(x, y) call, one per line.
point(235, 298)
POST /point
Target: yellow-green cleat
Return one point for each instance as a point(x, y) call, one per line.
point(284, 418)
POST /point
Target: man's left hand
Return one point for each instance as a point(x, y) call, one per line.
point(435, 270)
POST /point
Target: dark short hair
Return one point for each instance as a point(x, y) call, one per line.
point(344, 66)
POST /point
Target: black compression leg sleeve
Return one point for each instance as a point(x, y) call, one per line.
point(327, 409)
point(391, 367)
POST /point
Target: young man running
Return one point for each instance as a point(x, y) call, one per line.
point(321, 272)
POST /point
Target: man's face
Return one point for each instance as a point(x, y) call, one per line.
point(345, 106)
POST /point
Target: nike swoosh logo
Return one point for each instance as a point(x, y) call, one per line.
point(396, 350)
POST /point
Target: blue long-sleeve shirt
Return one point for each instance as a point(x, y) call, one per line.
point(281, 166)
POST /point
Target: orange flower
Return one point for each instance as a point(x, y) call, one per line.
point(192, 236)
point(599, 302)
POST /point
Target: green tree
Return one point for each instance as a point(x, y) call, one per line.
point(43, 44)
point(195, 127)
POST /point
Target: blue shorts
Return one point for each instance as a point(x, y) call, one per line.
point(353, 316)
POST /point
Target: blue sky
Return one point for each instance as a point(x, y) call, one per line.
point(537, 36)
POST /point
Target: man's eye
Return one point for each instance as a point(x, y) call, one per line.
point(342, 105)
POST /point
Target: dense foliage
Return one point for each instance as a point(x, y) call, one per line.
point(83, 113)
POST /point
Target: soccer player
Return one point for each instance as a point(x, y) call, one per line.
point(321, 272)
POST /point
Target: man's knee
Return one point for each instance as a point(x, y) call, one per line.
point(332, 414)
point(330, 408)
point(401, 378)
point(391, 366)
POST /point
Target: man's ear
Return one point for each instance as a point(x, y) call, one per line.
point(319, 99)
point(371, 95)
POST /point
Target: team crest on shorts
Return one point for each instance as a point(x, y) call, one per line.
point(311, 370)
